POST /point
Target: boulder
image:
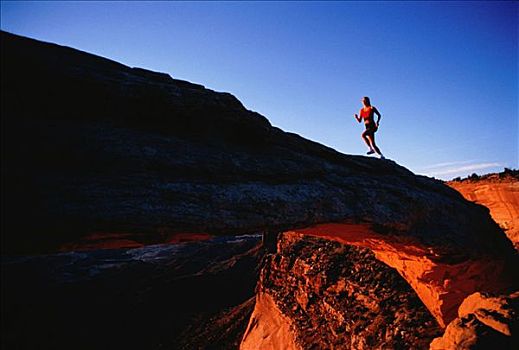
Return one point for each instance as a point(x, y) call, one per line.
point(484, 322)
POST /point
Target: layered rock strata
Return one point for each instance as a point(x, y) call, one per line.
point(500, 194)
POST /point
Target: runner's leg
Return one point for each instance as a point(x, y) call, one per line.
point(371, 139)
point(366, 139)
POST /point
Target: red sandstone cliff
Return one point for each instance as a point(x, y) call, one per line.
point(500, 194)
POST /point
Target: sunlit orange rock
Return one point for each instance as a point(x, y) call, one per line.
point(500, 194)
point(268, 328)
point(442, 284)
point(484, 321)
point(498, 312)
point(334, 296)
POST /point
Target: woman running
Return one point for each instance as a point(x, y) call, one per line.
point(367, 113)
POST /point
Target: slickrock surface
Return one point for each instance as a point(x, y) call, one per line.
point(500, 194)
point(484, 322)
point(107, 240)
point(318, 294)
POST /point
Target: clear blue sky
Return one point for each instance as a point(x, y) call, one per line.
point(443, 74)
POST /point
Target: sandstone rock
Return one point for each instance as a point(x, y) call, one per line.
point(496, 312)
point(319, 294)
point(440, 283)
point(469, 333)
point(103, 147)
point(484, 322)
point(498, 193)
point(268, 327)
point(222, 331)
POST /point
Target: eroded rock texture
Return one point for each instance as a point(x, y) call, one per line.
point(439, 280)
point(484, 322)
point(319, 294)
point(500, 194)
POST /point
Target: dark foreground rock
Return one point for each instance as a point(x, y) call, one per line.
point(155, 297)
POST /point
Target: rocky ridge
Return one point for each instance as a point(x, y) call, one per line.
point(109, 148)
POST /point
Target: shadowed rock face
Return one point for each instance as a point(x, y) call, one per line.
point(196, 295)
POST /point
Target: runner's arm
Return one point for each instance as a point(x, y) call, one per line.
point(357, 117)
point(379, 116)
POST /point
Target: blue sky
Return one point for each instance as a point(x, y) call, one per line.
point(444, 75)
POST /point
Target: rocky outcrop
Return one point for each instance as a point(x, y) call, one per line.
point(441, 280)
point(268, 327)
point(483, 322)
point(318, 294)
point(500, 194)
point(357, 302)
point(103, 147)
point(221, 331)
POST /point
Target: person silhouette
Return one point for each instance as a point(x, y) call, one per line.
point(367, 113)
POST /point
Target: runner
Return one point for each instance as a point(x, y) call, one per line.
point(367, 113)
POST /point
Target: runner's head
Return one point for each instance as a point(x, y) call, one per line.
point(365, 101)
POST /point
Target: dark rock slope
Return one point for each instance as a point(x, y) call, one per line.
point(91, 145)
